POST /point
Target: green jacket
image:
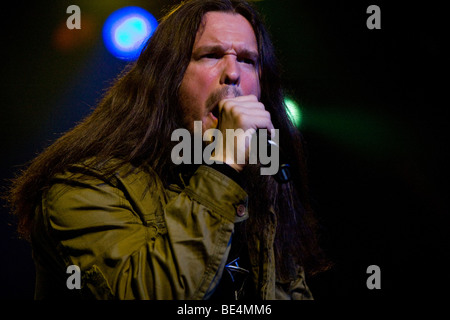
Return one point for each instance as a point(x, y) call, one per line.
point(133, 238)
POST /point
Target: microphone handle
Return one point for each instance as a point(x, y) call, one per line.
point(284, 172)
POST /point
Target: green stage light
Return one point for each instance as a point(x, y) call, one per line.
point(293, 111)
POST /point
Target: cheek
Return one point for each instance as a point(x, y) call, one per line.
point(186, 84)
point(187, 103)
point(193, 95)
point(194, 86)
point(250, 85)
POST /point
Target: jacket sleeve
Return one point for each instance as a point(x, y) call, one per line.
point(294, 289)
point(133, 245)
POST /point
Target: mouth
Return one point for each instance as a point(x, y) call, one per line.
point(214, 119)
point(212, 115)
point(217, 96)
point(215, 111)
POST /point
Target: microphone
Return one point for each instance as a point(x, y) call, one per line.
point(284, 174)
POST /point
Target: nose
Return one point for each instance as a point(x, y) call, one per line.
point(231, 73)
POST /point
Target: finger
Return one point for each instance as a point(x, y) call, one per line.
point(234, 106)
point(257, 121)
point(250, 97)
point(238, 100)
point(240, 111)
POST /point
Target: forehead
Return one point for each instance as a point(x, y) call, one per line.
point(227, 29)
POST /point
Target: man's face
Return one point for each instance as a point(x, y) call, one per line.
point(223, 65)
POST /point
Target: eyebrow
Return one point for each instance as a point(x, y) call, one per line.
point(251, 54)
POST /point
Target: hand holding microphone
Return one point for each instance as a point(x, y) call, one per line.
point(249, 115)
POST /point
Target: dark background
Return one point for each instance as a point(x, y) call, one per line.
point(374, 118)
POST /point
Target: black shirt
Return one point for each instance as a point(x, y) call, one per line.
point(236, 282)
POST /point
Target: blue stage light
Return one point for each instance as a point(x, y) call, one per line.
point(126, 31)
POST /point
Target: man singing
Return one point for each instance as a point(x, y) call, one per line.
point(107, 197)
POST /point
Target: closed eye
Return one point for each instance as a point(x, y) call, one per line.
point(211, 56)
point(247, 61)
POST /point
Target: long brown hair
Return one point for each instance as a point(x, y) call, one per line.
point(136, 117)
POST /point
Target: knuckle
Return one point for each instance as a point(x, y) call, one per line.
point(226, 105)
point(260, 105)
point(240, 118)
point(233, 110)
